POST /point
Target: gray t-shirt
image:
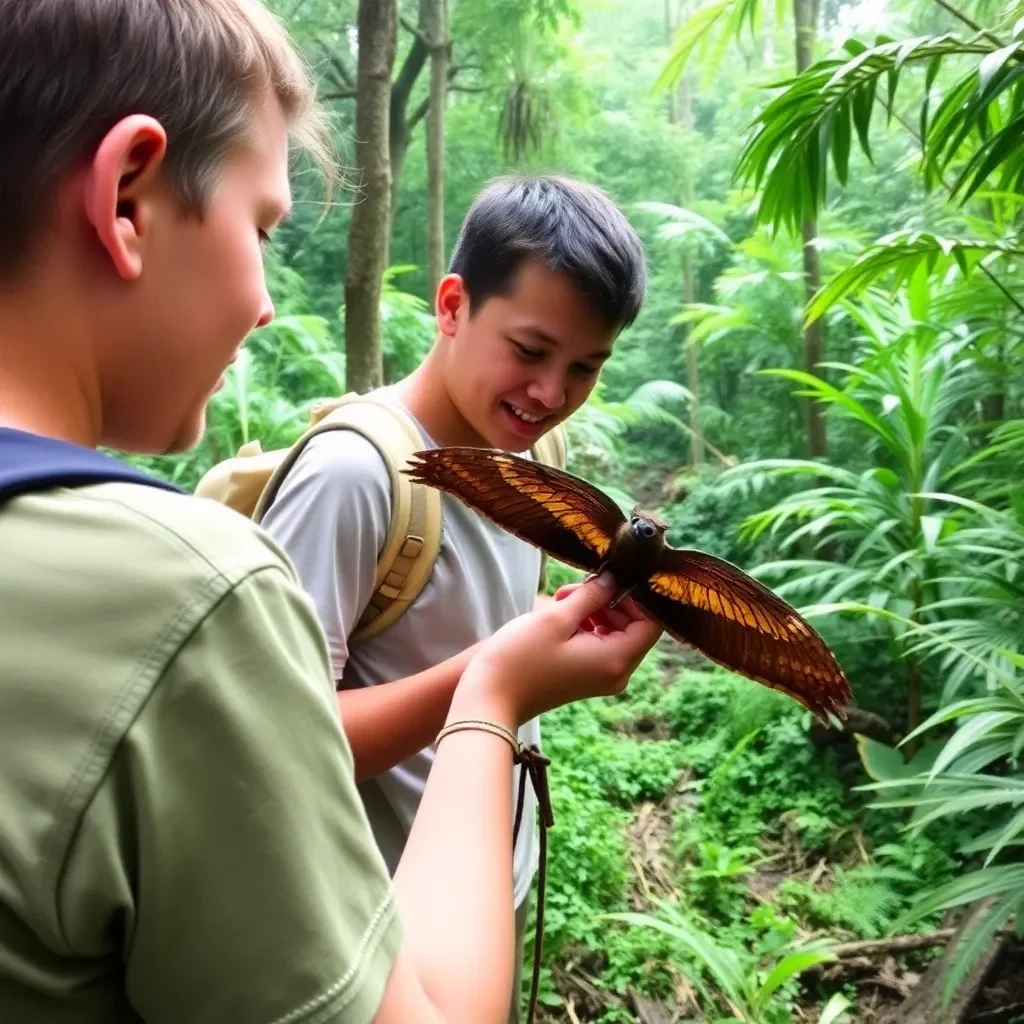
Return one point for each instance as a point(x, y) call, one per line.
point(331, 515)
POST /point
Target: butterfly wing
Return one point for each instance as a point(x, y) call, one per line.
point(553, 510)
point(739, 623)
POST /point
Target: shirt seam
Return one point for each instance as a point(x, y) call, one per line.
point(372, 937)
point(268, 559)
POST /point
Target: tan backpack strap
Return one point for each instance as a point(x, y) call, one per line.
point(551, 450)
point(414, 533)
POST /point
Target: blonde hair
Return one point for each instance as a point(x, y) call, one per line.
point(71, 69)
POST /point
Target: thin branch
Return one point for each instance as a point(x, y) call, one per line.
point(403, 85)
point(898, 943)
point(1002, 287)
point(340, 94)
point(414, 29)
point(339, 68)
point(969, 22)
point(468, 88)
point(417, 115)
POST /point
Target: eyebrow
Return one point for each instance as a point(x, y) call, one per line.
point(542, 336)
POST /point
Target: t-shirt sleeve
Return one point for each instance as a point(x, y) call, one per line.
point(331, 517)
point(229, 835)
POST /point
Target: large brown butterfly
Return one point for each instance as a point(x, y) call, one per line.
point(699, 599)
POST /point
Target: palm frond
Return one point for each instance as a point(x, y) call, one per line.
point(819, 113)
point(898, 256)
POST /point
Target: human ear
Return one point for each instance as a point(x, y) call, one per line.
point(451, 294)
point(121, 185)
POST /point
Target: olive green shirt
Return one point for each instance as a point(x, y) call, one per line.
point(180, 835)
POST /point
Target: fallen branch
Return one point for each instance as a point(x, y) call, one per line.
point(898, 943)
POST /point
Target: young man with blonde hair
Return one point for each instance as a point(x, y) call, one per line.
point(180, 835)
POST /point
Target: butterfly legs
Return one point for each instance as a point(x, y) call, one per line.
point(619, 596)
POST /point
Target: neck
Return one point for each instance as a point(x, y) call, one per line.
point(43, 389)
point(426, 397)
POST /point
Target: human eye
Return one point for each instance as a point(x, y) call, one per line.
point(584, 369)
point(526, 353)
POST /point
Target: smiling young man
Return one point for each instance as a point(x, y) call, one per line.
point(545, 274)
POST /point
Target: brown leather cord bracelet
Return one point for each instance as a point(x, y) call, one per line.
point(535, 765)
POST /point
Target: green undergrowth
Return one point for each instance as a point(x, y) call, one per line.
point(760, 845)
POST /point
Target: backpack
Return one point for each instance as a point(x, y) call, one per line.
point(249, 482)
point(30, 462)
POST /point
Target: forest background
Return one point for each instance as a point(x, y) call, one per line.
point(824, 387)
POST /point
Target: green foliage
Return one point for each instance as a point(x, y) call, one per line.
point(739, 987)
point(762, 774)
point(864, 900)
point(701, 515)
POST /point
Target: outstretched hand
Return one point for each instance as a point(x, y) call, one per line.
point(568, 649)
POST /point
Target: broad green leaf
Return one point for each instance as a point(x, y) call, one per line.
point(790, 966)
point(835, 1009)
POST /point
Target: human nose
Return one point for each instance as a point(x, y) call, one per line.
point(548, 390)
point(266, 310)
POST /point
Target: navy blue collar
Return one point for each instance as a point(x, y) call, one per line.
point(29, 462)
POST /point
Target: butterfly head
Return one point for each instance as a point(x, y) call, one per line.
point(645, 527)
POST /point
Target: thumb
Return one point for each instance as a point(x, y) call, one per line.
point(586, 599)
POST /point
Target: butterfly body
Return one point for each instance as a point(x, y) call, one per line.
point(635, 552)
point(699, 599)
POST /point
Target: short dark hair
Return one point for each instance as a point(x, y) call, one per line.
point(570, 227)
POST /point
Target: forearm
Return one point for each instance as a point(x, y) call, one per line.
point(387, 723)
point(454, 882)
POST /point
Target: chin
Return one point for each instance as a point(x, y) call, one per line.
point(187, 436)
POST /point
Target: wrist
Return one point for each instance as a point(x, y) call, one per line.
point(477, 696)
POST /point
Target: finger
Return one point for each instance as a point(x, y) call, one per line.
point(588, 598)
point(640, 635)
point(612, 618)
point(633, 610)
point(626, 648)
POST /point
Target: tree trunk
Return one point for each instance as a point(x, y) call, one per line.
point(670, 28)
point(692, 352)
point(994, 405)
point(377, 22)
point(692, 373)
point(680, 111)
point(915, 694)
point(433, 23)
point(805, 20)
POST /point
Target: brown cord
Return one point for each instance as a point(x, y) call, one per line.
point(535, 764)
